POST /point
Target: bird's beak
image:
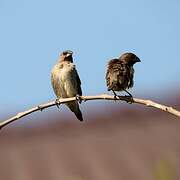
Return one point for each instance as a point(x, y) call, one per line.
point(137, 59)
point(69, 54)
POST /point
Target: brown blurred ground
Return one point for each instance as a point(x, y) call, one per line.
point(111, 144)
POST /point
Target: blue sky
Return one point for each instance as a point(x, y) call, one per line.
point(34, 32)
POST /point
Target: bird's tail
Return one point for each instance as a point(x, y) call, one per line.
point(74, 107)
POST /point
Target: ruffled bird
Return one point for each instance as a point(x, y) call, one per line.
point(120, 73)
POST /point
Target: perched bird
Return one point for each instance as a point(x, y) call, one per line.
point(120, 72)
point(66, 82)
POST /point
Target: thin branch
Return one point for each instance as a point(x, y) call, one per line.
point(87, 98)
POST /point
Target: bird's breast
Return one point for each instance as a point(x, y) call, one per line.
point(67, 77)
point(65, 73)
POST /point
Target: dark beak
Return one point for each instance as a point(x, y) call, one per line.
point(137, 59)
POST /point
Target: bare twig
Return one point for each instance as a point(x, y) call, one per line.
point(87, 98)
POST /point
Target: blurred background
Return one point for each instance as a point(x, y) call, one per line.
point(116, 140)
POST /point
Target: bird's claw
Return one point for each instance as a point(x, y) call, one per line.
point(116, 97)
point(130, 99)
point(57, 103)
point(40, 108)
point(78, 98)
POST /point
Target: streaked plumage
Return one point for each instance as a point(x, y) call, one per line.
point(120, 73)
point(66, 82)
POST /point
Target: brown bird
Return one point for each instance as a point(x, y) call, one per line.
point(66, 82)
point(120, 73)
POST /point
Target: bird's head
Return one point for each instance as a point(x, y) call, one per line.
point(66, 56)
point(129, 58)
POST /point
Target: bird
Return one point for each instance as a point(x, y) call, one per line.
point(66, 82)
point(120, 73)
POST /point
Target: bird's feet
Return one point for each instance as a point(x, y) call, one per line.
point(129, 100)
point(78, 98)
point(40, 108)
point(57, 102)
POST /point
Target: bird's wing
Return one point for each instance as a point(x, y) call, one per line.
point(126, 74)
point(78, 81)
point(122, 73)
point(113, 73)
point(111, 77)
